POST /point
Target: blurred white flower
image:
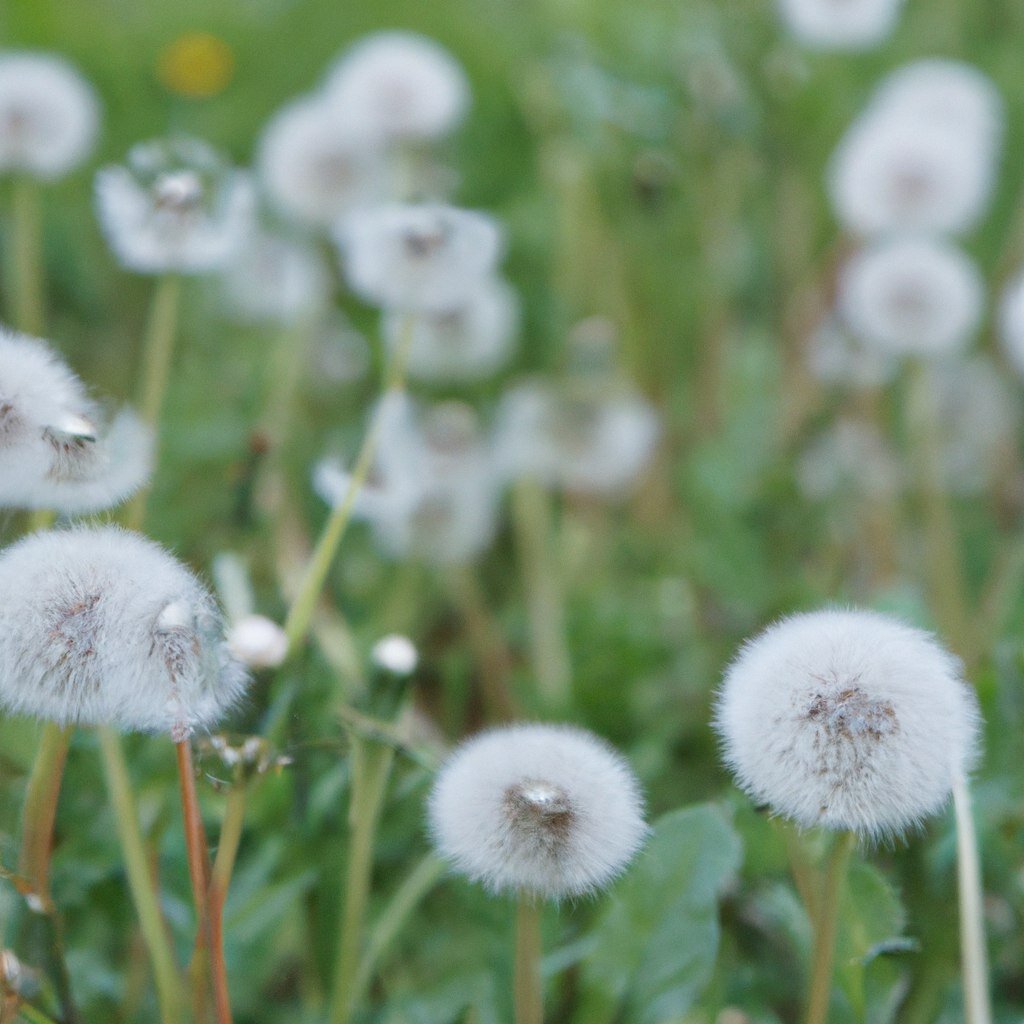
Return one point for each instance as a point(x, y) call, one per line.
point(834, 356)
point(1011, 322)
point(463, 344)
point(419, 257)
point(275, 279)
point(56, 449)
point(840, 24)
point(101, 626)
point(545, 809)
point(395, 654)
point(49, 115)
point(258, 642)
point(175, 206)
point(316, 165)
point(587, 443)
point(399, 86)
point(847, 719)
point(912, 297)
point(851, 457)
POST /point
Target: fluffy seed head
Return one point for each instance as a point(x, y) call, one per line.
point(419, 257)
point(101, 626)
point(395, 654)
point(847, 719)
point(258, 642)
point(49, 115)
point(548, 809)
point(174, 206)
point(840, 24)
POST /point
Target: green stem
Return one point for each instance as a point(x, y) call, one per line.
point(544, 598)
point(300, 614)
point(371, 766)
point(34, 1016)
point(826, 927)
point(220, 880)
point(28, 257)
point(168, 983)
point(529, 994)
point(40, 811)
point(974, 958)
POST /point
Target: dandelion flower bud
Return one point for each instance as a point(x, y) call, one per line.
point(101, 626)
point(400, 86)
point(840, 24)
point(912, 297)
point(49, 115)
point(316, 165)
point(463, 344)
point(175, 206)
point(258, 642)
point(56, 451)
point(395, 654)
point(420, 258)
point(548, 809)
point(847, 719)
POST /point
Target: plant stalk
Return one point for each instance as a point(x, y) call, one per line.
point(27, 267)
point(529, 994)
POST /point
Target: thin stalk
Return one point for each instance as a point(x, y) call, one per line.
point(826, 927)
point(529, 994)
point(28, 1012)
point(544, 598)
point(371, 767)
point(40, 810)
point(973, 955)
point(27, 256)
point(223, 867)
point(170, 996)
point(300, 615)
point(800, 866)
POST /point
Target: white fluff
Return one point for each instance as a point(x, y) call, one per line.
point(49, 115)
point(840, 24)
point(101, 626)
point(175, 206)
point(465, 344)
point(419, 257)
point(396, 654)
point(912, 297)
point(847, 719)
point(316, 164)
point(547, 809)
point(258, 642)
point(400, 86)
point(1011, 322)
point(56, 450)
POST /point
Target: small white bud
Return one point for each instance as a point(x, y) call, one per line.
point(395, 654)
point(258, 642)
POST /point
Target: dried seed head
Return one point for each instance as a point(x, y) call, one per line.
point(840, 24)
point(258, 642)
point(542, 808)
point(847, 719)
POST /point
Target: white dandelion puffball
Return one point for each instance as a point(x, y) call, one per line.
point(847, 719)
point(464, 344)
point(49, 115)
point(101, 626)
point(425, 258)
point(904, 173)
point(1011, 322)
point(316, 165)
point(274, 279)
point(176, 206)
point(400, 86)
point(56, 450)
point(396, 654)
point(545, 809)
point(258, 642)
point(840, 24)
point(912, 297)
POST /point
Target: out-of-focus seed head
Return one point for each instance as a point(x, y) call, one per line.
point(258, 642)
point(395, 654)
point(840, 24)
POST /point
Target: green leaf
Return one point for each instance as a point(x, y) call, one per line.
point(655, 944)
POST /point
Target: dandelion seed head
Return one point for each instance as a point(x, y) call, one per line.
point(547, 809)
point(840, 24)
point(395, 654)
point(258, 642)
point(850, 458)
point(847, 719)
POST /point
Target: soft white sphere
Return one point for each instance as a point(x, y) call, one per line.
point(847, 719)
point(912, 297)
point(49, 115)
point(101, 626)
point(547, 809)
point(399, 85)
point(425, 258)
point(396, 654)
point(258, 642)
point(840, 24)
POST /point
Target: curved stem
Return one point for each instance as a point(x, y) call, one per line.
point(529, 994)
point(826, 927)
point(40, 812)
point(220, 876)
point(27, 269)
point(168, 983)
point(974, 958)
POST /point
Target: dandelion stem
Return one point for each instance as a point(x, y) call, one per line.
point(28, 256)
point(300, 614)
point(544, 598)
point(974, 959)
point(28, 1012)
point(168, 984)
point(529, 996)
point(826, 927)
point(371, 767)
